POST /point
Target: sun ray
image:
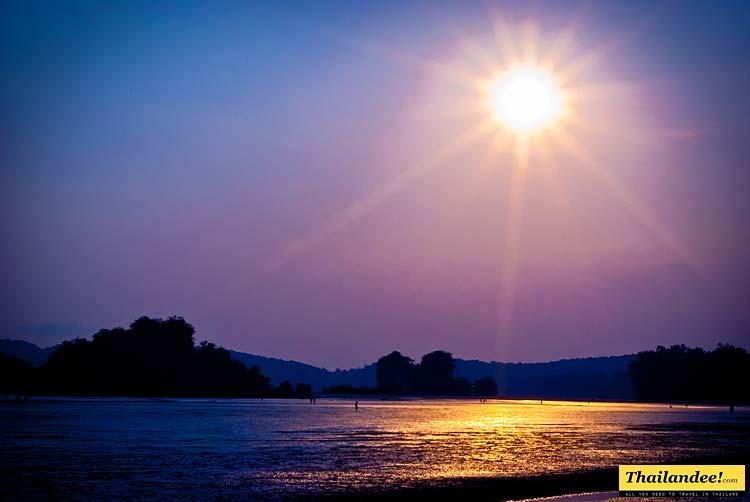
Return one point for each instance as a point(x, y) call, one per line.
point(512, 240)
point(364, 206)
point(402, 58)
point(561, 45)
point(595, 55)
point(450, 73)
point(636, 137)
point(461, 108)
point(603, 90)
point(630, 201)
point(490, 159)
point(530, 38)
point(568, 74)
point(504, 41)
point(516, 46)
point(486, 59)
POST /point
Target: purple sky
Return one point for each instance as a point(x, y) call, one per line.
point(224, 164)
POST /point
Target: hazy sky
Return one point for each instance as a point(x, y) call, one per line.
point(295, 180)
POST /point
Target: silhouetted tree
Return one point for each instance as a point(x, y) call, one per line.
point(394, 373)
point(461, 387)
point(153, 357)
point(285, 389)
point(436, 373)
point(485, 387)
point(303, 391)
point(683, 374)
point(398, 374)
point(16, 376)
point(731, 372)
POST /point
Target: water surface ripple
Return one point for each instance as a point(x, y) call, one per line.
point(139, 448)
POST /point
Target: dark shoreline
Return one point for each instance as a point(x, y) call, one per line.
point(362, 397)
point(520, 488)
point(597, 480)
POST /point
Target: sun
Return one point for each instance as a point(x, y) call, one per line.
point(526, 99)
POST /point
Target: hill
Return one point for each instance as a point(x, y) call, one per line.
point(279, 370)
point(584, 378)
point(26, 351)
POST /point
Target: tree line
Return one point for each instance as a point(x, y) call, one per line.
point(433, 375)
point(683, 374)
point(159, 357)
point(153, 357)
point(676, 374)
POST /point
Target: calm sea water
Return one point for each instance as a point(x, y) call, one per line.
point(104, 448)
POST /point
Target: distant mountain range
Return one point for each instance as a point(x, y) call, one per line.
point(293, 371)
point(26, 351)
point(584, 378)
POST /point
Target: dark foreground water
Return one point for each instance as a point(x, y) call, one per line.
point(207, 449)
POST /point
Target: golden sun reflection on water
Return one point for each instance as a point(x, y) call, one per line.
point(402, 443)
point(287, 448)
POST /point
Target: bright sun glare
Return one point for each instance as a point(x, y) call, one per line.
point(531, 91)
point(526, 99)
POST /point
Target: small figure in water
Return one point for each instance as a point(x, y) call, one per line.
point(731, 408)
point(541, 401)
point(356, 405)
